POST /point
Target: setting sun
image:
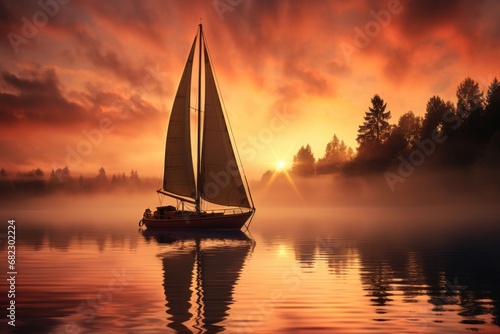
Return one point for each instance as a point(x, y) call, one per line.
point(281, 165)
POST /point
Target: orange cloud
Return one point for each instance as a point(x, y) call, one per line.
point(92, 59)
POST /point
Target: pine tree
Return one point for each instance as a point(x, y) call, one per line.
point(134, 176)
point(303, 162)
point(493, 92)
point(336, 154)
point(491, 120)
point(332, 149)
point(102, 179)
point(375, 128)
point(350, 153)
point(114, 180)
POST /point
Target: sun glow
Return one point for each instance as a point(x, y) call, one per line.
point(282, 251)
point(281, 165)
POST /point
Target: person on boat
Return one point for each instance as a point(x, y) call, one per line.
point(147, 213)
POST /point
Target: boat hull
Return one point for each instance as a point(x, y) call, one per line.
point(204, 221)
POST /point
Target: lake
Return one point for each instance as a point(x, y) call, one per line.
point(91, 269)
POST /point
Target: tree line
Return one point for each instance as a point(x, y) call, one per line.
point(60, 180)
point(449, 135)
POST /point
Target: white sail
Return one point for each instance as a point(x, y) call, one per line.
point(179, 176)
point(221, 180)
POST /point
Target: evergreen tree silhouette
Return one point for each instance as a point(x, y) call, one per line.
point(375, 128)
point(303, 162)
point(101, 179)
point(469, 98)
point(493, 94)
point(336, 154)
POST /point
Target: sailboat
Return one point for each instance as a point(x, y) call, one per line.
point(219, 180)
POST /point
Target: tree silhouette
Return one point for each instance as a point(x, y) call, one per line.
point(303, 162)
point(101, 179)
point(434, 113)
point(493, 94)
point(410, 127)
point(336, 154)
point(34, 173)
point(81, 182)
point(350, 153)
point(33, 183)
point(491, 119)
point(115, 180)
point(375, 128)
point(134, 177)
point(60, 175)
point(266, 177)
point(372, 137)
point(469, 98)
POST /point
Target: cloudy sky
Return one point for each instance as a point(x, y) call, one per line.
point(290, 72)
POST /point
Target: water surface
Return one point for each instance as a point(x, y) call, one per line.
point(335, 270)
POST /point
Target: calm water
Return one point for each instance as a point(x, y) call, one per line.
point(307, 271)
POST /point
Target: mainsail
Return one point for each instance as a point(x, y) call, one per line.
point(179, 176)
point(221, 180)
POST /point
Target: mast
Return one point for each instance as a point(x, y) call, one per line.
point(198, 154)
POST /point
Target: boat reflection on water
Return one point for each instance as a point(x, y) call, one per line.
point(200, 272)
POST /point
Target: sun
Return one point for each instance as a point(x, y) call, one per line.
point(281, 165)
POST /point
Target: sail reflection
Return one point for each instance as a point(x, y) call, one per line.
point(200, 272)
point(177, 272)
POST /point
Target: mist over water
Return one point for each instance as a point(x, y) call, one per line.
point(323, 254)
point(431, 199)
point(427, 202)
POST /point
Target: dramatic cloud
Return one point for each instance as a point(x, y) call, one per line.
point(65, 67)
point(37, 99)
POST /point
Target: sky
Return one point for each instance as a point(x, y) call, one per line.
point(86, 84)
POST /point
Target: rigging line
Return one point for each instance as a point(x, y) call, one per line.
point(161, 179)
point(252, 239)
point(162, 173)
point(195, 109)
point(227, 118)
point(249, 193)
point(247, 225)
